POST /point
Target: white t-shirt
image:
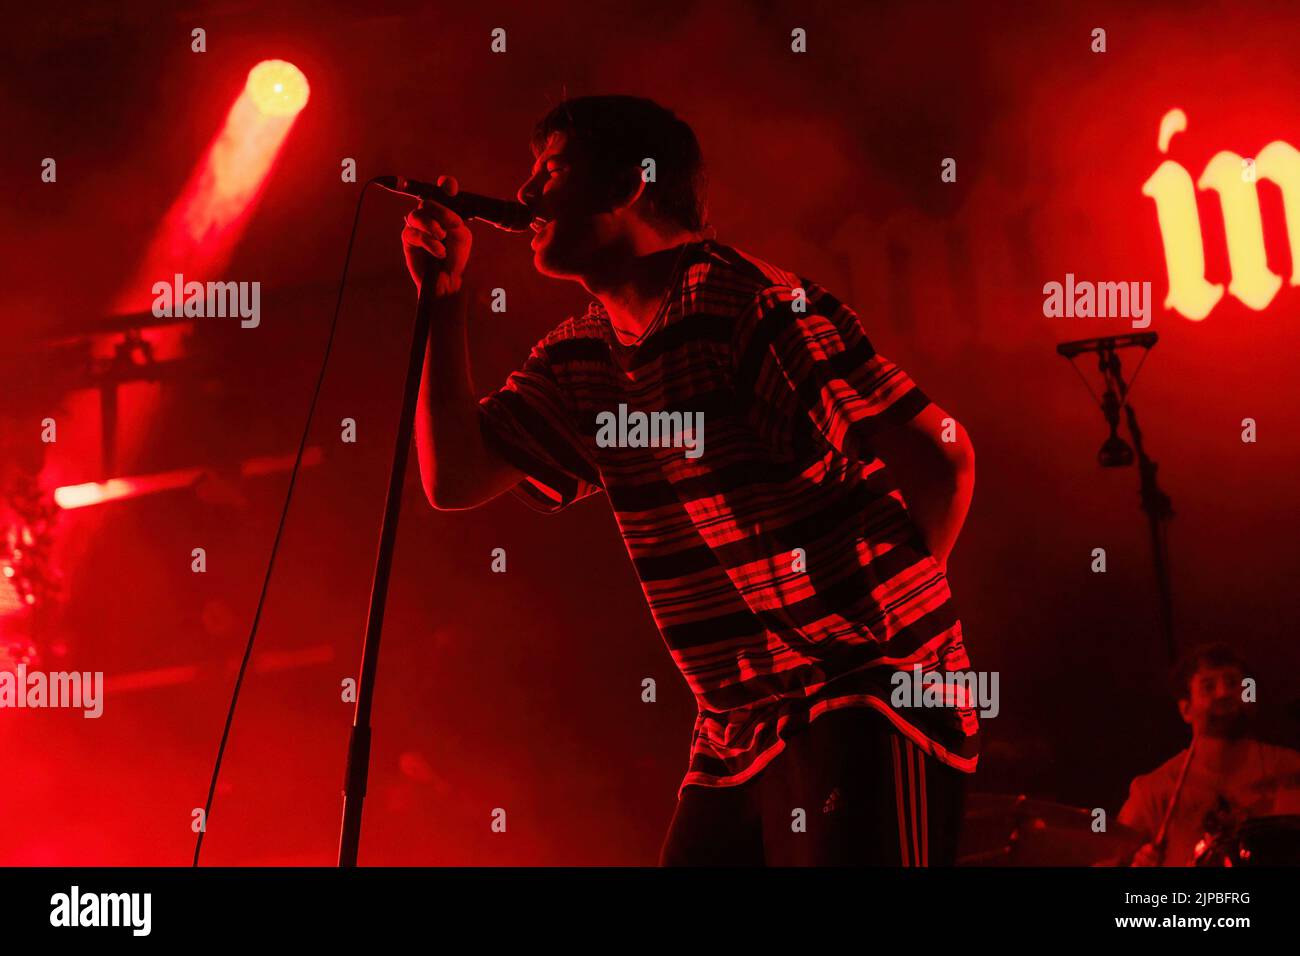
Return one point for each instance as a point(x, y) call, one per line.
point(1265, 781)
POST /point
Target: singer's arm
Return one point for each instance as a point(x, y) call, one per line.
point(818, 362)
point(936, 477)
point(457, 469)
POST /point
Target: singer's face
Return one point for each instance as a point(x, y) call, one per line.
point(1214, 705)
point(572, 231)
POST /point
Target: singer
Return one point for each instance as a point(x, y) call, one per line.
point(795, 566)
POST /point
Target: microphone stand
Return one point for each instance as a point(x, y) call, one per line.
point(358, 767)
point(1155, 503)
point(1159, 511)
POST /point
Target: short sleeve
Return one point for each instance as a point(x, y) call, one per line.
point(1138, 809)
point(808, 355)
point(529, 423)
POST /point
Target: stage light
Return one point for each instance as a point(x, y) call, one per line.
point(278, 88)
point(199, 232)
point(69, 497)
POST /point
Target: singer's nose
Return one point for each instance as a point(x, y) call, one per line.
point(530, 191)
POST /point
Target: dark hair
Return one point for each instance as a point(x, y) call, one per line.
point(1203, 655)
point(621, 131)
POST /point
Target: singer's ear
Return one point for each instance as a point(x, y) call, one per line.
point(626, 189)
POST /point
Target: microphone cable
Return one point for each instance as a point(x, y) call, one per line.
point(279, 531)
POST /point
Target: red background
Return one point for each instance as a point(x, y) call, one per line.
point(522, 690)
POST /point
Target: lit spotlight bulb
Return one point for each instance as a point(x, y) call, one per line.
point(278, 88)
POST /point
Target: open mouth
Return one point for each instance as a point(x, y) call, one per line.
point(539, 223)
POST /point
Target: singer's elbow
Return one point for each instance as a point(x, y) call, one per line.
point(435, 491)
point(466, 480)
point(430, 492)
point(446, 495)
point(441, 501)
point(440, 489)
point(438, 495)
point(962, 453)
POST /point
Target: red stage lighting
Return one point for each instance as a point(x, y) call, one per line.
point(198, 233)
point(278, 88)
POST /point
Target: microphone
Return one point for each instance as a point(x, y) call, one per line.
point(1115, 452)
point(502, 213)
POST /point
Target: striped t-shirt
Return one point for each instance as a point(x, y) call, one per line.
point(774, 549)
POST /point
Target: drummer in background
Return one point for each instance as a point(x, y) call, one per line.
point(1231, 777)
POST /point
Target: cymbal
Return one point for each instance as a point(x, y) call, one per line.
point(1016, 830)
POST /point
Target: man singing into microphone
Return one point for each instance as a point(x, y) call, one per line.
point(794, 561)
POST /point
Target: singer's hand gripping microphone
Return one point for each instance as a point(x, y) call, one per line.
point(502, 213)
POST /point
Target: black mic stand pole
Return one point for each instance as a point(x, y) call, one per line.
point(1155, 503)
point(358, 769)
